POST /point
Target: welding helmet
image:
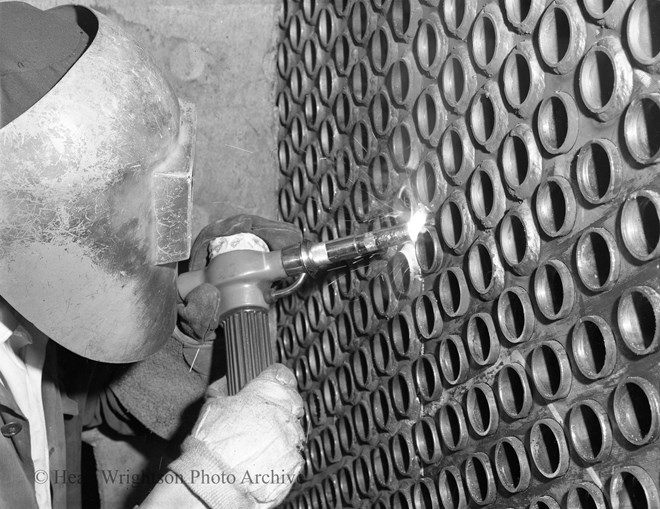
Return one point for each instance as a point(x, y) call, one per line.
point(95, 202)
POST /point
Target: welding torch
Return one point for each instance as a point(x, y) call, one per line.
point(245, 280)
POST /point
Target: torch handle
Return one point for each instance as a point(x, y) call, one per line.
point(248, 345)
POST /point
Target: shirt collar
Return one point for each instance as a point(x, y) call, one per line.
point(8, 325)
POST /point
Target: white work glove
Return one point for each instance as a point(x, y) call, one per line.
point(244, 451)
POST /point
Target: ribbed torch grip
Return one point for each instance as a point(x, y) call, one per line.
point(248, 345)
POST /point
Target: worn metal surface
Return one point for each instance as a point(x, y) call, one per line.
point(95, 203)
point(509, 358)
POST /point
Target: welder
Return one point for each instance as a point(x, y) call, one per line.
point(95, 187)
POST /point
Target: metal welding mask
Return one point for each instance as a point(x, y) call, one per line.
point(95, 203)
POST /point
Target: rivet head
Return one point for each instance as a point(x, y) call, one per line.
point(11, 429)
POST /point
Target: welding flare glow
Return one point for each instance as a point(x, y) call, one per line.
point(416, 224)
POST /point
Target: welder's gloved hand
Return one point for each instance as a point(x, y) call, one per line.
point(276, 234)
point(199, 313)
point(248, 438)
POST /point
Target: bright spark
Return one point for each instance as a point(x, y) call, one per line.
point(416, 224)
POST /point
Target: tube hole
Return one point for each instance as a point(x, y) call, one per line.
point(485, 41)
point(597, 169)
point(482, 119)
point(642, 131)
point(399, 330)
point(428, 316)
point(295, 33)
point(381, 292)
point(640, 226)
point(361, 200)
point(454, 11)
point(380, 175)
point(329, 346)
point(401, 145)
point(482, 194)
point(480, 264)
point(555, 35)
point(453, 80)
point(451, 223)
point(400, 274)
point(518, 80)
point(599, 76)
point(426, 45)
point(343, 110)
point(327, 135)
point(426, 183)
point(426, 251)
point(379, 49)
point(346, 485)
point(594, 348)
point(452, 152)
point(345, 169)
point(359, 22)
point(478, 478)
point(427, 377)
point(482, 339)
point(402, 456)
point(633, 488)
point(553, 120)
point(553, 289)
point(361, 366)
point(513, 239)
point(638, 320)
point(380, 113)
point(551, 371)
point(643, 34)
point(513, 391)
point(635, 410)
point(508, 466)
point(589, 431)
point(553, 297)
point(450, 488)
point(517, 11)
point(482, 416)
point(381, 351)
point(400, 82)
point(585, 499)
point(360, 81)
point(381, 465)
point(382, 408)
point(453, 292)
point(481, 410)
point(514, 314)
point(345, 332)
point(326, 27)
point(555, 207)
point(452, 428)
point(401, 15)
point(596, 265)
point(452, 360)
point(296, 84)
point(346, 383)
point(342, 53)
point(598, 7)
point(515, 159)
point(548, 448)
point(426, 115)
point(361, 141)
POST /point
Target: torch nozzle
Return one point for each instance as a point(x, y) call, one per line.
point(312, 257)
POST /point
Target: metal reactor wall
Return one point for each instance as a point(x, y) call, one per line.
point(507, 357)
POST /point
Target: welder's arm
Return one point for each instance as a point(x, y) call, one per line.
point(237, 445)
